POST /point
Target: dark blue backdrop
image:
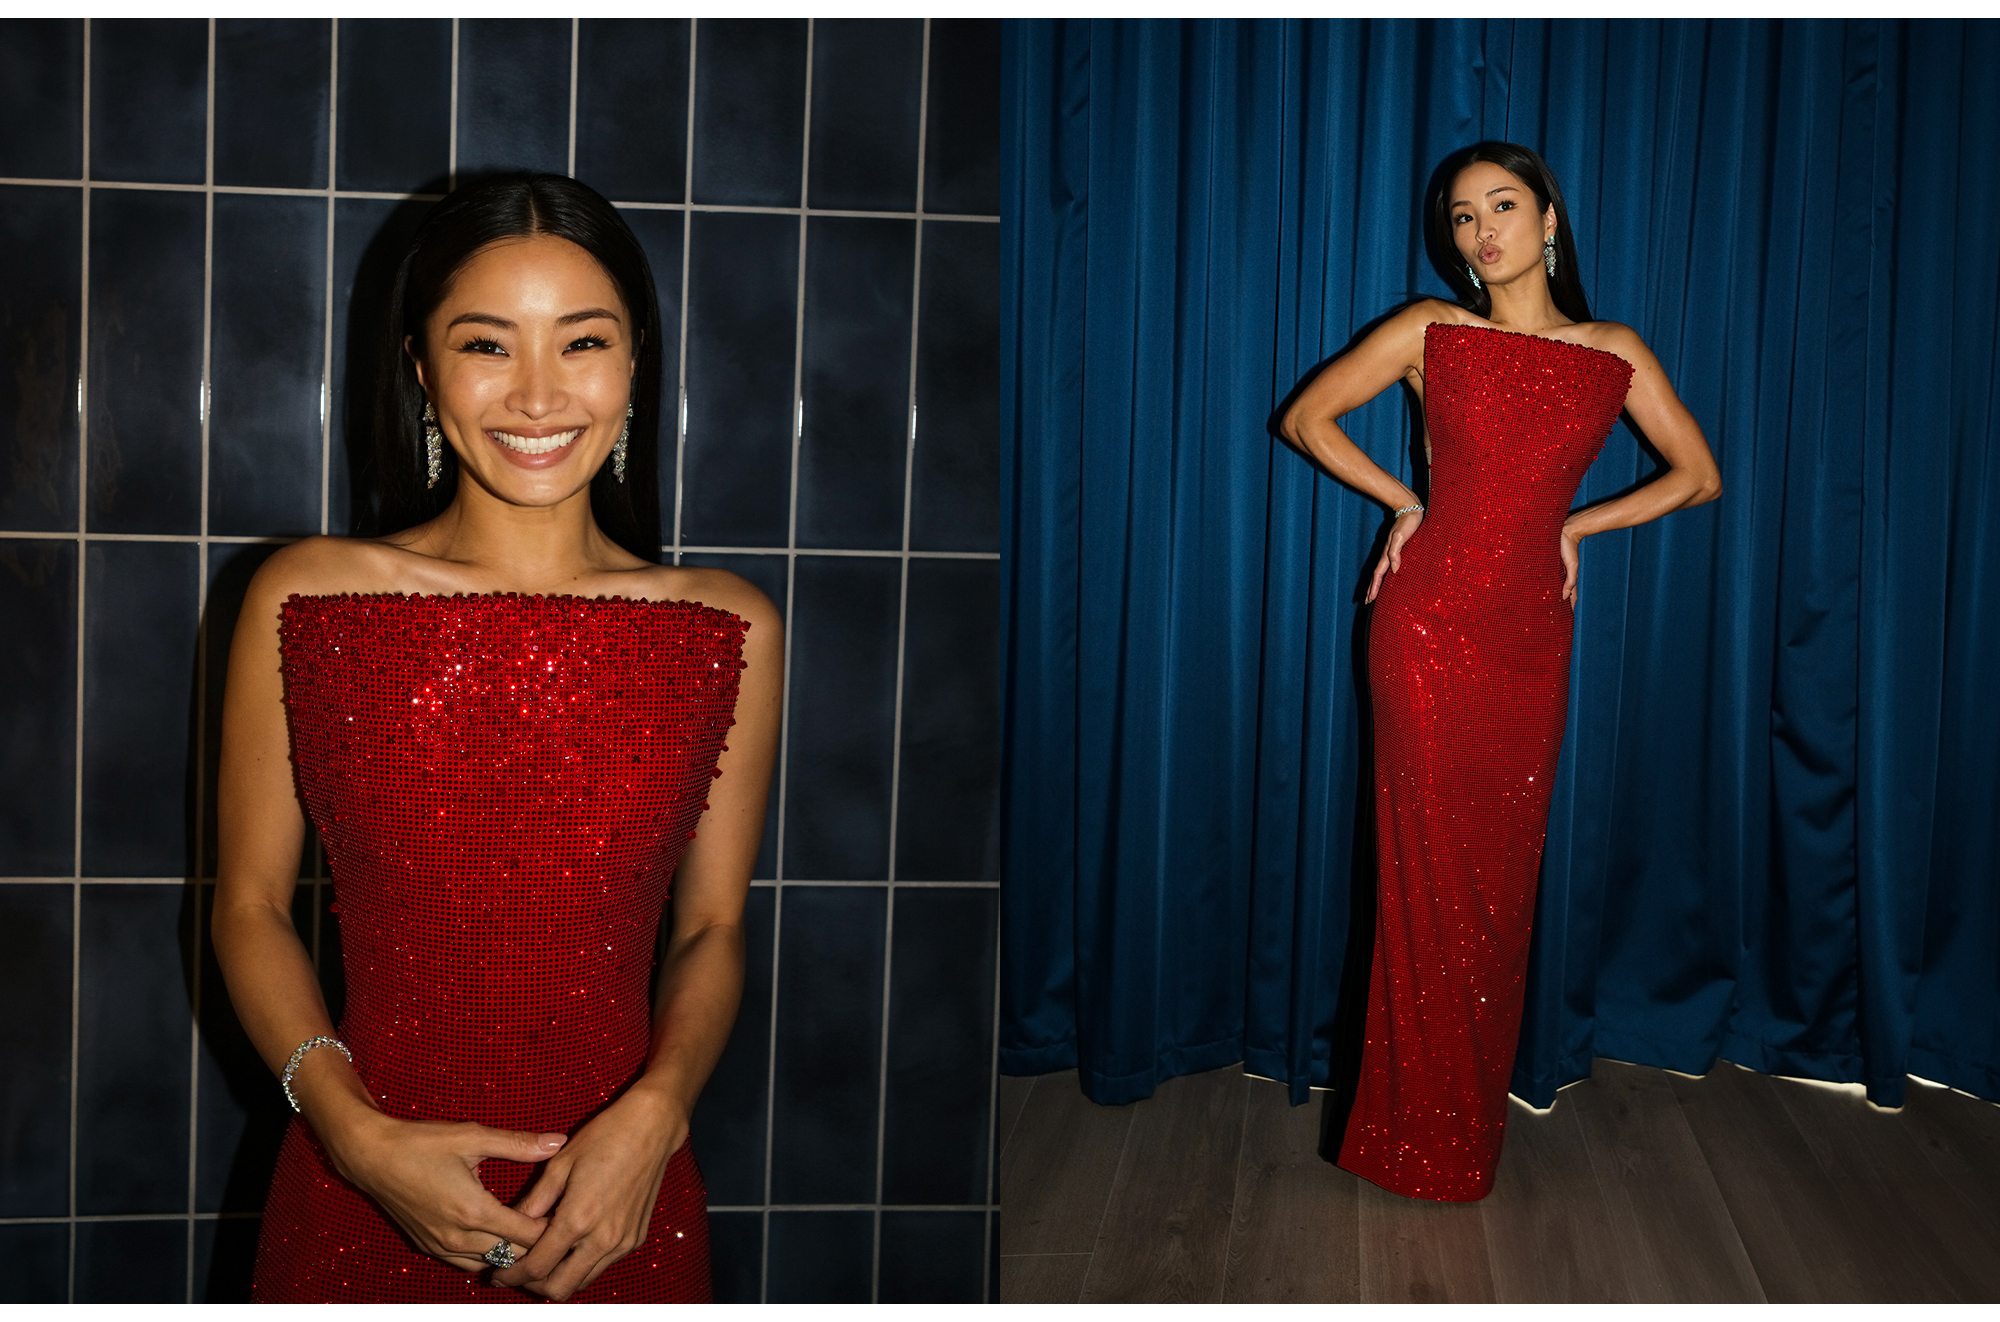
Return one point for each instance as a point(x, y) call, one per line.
point(1774, 836)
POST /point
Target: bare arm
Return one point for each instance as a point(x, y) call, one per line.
point(422, 1174)
point(1393, 351)
point(1691, 477)
point(599, 1193)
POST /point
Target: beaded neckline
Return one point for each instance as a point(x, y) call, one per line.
point(550, 597)
point(1524, 335)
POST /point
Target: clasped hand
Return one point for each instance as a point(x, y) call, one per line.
point(590, 1206)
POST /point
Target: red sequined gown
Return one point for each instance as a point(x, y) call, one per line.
point(1468, 668)
point(504, 785)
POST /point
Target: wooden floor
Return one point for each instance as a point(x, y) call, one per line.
point(1640, 1186)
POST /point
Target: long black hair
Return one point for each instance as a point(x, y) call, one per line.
point(510, 206)
point(1565, 287)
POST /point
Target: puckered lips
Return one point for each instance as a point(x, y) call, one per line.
point(534, 447)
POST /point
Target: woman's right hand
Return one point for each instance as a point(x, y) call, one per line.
point(424, 1174)
point(1401, 531)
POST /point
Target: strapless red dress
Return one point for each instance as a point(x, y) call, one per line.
point(1468, 672)
point(504, 785)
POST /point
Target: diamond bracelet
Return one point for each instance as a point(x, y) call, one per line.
point(1407, 509)
point(292, 1065)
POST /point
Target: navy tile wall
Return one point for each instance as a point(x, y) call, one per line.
point(271, 87)
point(201, 398)
point(631, 109)
point(867, 96)
point(145, 401)
point(41, 98)
point(749, 104)
point(395, 104)
point(149, 100)
point(856, 381)
point(513, 95)
point(38, 707)
point(267, 357)
point(34, 1041)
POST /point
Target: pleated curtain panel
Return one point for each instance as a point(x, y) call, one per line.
point(1774, 831)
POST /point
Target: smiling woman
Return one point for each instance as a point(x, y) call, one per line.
point(507, 723)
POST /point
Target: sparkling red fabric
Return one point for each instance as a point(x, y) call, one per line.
point(1468, 669)
point(504, 785)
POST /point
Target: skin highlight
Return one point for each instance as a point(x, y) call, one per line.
point(1499, 233)
point(529, 342)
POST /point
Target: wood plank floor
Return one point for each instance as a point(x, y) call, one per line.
point(1639, 1187)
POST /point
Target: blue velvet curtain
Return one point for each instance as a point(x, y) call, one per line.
point(1774, 835)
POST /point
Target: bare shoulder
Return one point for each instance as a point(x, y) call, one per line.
point(717, 588)
point(325, 566)
point(1616, 337)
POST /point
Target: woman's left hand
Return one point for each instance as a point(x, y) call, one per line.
point(1570, 544)
point(598, 1193)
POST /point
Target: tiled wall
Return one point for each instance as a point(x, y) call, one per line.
point(194, 219)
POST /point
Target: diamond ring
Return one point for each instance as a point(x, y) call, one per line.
point(500, 1255)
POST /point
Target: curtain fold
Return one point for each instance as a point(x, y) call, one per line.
point(1774, 834)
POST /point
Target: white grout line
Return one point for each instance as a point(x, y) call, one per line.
point(197, 833)
point(575, 34)
point(258, 190)
point(222, 539)
point(82, 573)
point(326, 359)
point(687, 249)
point(451, 130)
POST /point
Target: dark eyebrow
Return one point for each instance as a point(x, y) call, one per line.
point(1504, 188)
point(501, 323)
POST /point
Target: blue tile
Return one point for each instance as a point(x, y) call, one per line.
point(829, 1045)
point(271, 85)
point(37, 1258)
point(132, 1262)
point(749, 111)
point(867, 81)
point(38, 709)
point(149, 100)
point(736, 1257)
point(513, 95)
point(948, 808)
point(955, 482)
point(962, 146)
point(841, 717)
point(369, 239)
point(240, 1114)
point(267, 359)
point(41, 315)
point(730, 1119)
point(937, 1118)
point(821, 1257)
point(145, 361)
point(933, 1258)
point(769, 573)
point(855, 383)
point(138, 696)
point(395, 105)
point(41, 98)
point(742, 324)
point(133, 1034)
point(660, 235)
point(225, 1253)
point(34, 1043)
point(631, 108)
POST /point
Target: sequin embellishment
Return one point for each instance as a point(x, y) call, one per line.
point(504, 786)
point(1468, 673)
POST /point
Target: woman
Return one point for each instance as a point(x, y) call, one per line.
point(507, 723)
point(1468, 644)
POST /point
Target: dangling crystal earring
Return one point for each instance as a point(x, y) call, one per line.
point(1549, 255)
point(433, 445)
point(1473, 276)
point(618, 446)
